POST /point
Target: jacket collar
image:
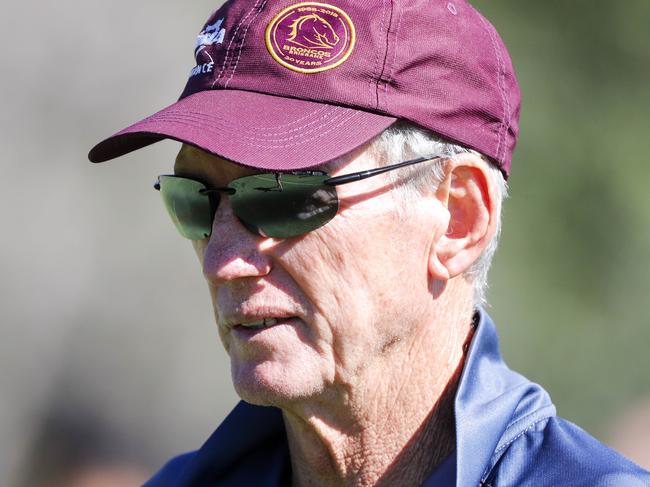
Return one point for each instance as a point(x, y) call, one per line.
point(493, 404)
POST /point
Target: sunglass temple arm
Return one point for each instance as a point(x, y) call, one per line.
point(358, 176)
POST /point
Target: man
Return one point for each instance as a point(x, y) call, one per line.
point(341, 177)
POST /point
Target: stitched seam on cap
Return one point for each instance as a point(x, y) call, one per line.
point(302, 140)
point(374, 80)
point(217, 118)
point(232, 39)
point(276, 127)
point(319, 134)
point(502, 124)
point(392, 66)
point(187, 117)
point(506, 114)
point(499, 84)
point(390, 22)
point(241, 46)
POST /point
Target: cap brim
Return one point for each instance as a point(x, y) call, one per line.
point(252, 129)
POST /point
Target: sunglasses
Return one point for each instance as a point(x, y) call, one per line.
point(277, 205)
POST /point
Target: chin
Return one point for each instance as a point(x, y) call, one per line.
point(272, 383)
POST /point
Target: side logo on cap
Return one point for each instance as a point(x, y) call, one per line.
point(212, 34)
point(310, 37)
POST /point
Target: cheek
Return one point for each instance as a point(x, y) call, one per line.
point(327, 266)
point(348, 272)
point(365, 262)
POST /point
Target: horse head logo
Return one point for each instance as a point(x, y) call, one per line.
point(313, 32)
point(310, 37)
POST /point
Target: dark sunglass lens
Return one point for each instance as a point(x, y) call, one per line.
point(285, 205)
point(188, 205)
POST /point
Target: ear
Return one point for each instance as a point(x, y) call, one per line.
point(468, 193)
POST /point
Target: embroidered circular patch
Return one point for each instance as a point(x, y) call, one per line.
point(310, 37)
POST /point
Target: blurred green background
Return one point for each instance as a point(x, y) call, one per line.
point(109, 359)
point(572, 276)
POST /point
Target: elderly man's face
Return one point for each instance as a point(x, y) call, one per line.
point(339, 302)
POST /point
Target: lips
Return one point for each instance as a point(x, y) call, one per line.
point(253, 316)
point(259, 324)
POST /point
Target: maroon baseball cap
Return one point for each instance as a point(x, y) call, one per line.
point(287, 85)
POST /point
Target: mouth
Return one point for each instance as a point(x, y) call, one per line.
point(262, 324)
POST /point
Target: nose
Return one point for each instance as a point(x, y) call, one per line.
point(233, 252)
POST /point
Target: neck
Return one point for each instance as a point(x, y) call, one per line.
point(391, 427)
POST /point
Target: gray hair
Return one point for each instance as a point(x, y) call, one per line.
point(403, 141)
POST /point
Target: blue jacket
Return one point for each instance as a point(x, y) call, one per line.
point(507, 434)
